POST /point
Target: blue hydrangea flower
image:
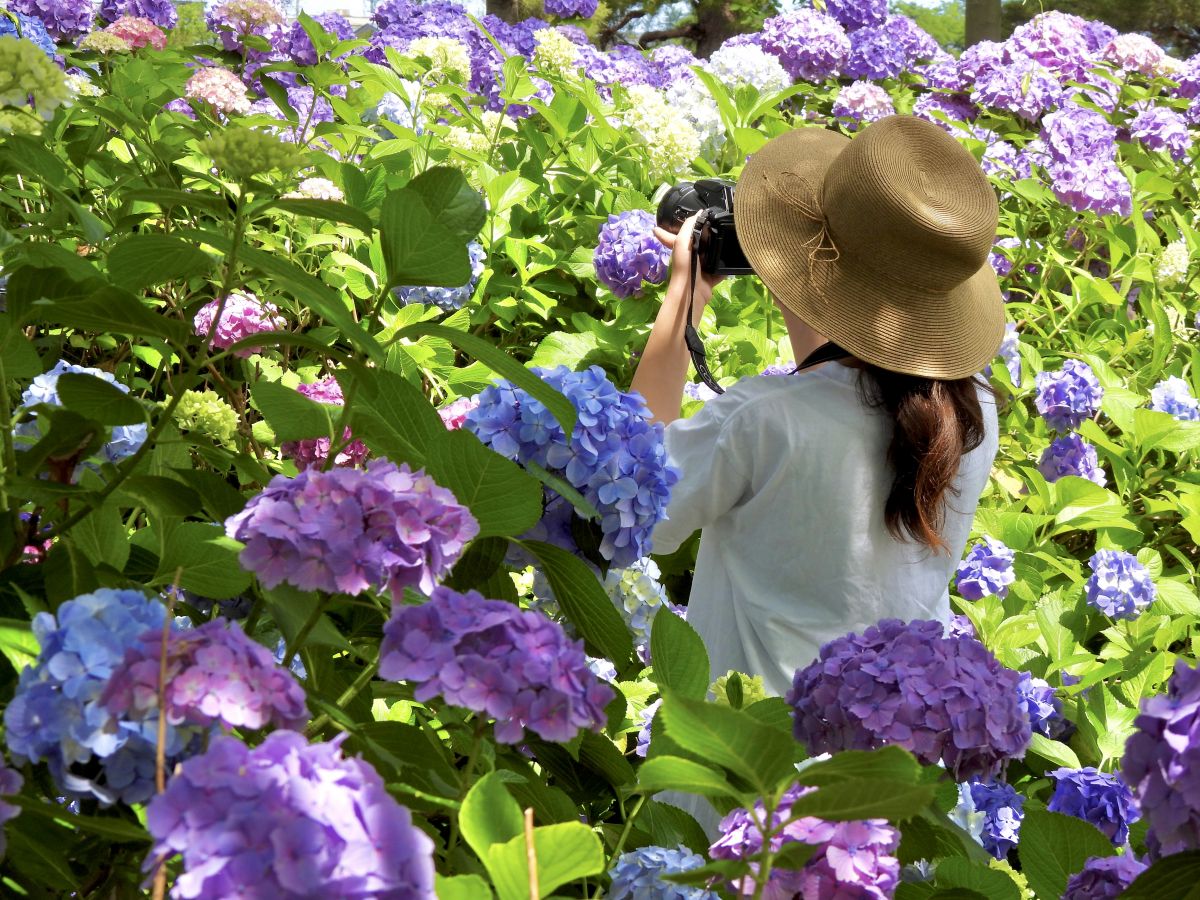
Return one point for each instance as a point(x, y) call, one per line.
point(448, 299)
point(1104, 877)
point(628, 253)
point(1043, 706)
point(1097, 797)
point(125, 439)
point(1066, 398)
point(1010, 353)
point(1003, 809)
point(1174, 397)
point(643, 735)
point(1071, 455)
point(29, 27)
point(986, 571)
point(639, 595)
point(961, 627)
point(1120, 587)
point(566, 9)
point(637, 875)
point(1160, 128)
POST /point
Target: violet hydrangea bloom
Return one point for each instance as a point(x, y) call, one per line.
point(1066, 398)
point(235, 20)
point(1097, 797)
point(615, 456)
point(644, 733)
point(811, 45)
point(1003, 809)
point(288, 820)
point(944, 699)
point(513, 665)
point(960, 626)
point(244, 315)
point(1071, 455)
point(1162, 761)
point(1104, 877)
point(296, 43)
point(65, 20)
point(1000, 262)
point(1043, 706)
point(1160, 128)
point(987, 570)
point(349, 530)
point(315, 451)
point(11, 783)
point(1057, 41)
point(447, 298)
point(215, 675)
point(852, 14)
point(852, 859)
point(1009, 351)
point(875, 54)
point(637, 875)
point(1120, 587)
point(980, 59)
point(161, 12)
point(1024, 88)
point(1173, 396)
point(566, 9)
point(1135, 53)
point(629, 254)
point(1075, 132)
point(938, 108)
point(862, 103)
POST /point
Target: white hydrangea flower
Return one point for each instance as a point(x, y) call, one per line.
point(748, 64)
point(497, 123)
point(316, 189)
point(465, 139)
point(672, 142)
point(82, 86)
point(1173, 263)
point(637, 593)
point(698, 107)
point(450, 60)
point(555, 53)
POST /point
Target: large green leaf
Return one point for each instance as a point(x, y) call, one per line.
point(207, 561)
point(1176, 877)
point(112, 309)
point(504, 498)
point(565, 852)
point(291, 415)
point(680, 658)
point(417, 248)
point(392, 415)
point(674, 773)
point(866, 798)
point(141, 260)
point(489, 815)
point(891, 763)
point(462, 887)
point(98, 400)
point(1054, 847)
point(329, 210)
point(450, 199)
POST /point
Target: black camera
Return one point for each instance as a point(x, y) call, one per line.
point(716, 240)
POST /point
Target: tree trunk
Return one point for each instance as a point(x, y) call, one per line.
point(716, 22)
point(508, 10)
point(983, 21)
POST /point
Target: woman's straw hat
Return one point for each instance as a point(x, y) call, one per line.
point(880, 243)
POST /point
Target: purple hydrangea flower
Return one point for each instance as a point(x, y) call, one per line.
point(644, 733)
point(1099, 35)
point(852, 14)
point(637, 875)
point(350, 530)
point(565, 9)
point(1120, 587)
point(161, 12)
point(315, 451)
point(1189, 79)
point(938, 107)
point(1068, 397)
point(979, 60)
point(1104, 877)
point(1135, 53)
point(1160, 128)
point(615, 456)
point(234, 20)
point(1043, 706)
point(65, 20)
point(243, 315)
point(1009, 352)
point(1003, 809)
point(811, 45)
point(215, 675)
point(1057, 41)
point(1097, 185)
point(942, 74)
point(1097, 797)
point(1162, 761)
point(875, 54)
point(1024, 88)
point(31, 29)
point(862, 103)
point(944, 699)
point(629, 254)
point(917, 43)
point(1002, 160)
point(987, 570)
point(513, 665)
point(298, 45)
point(1000, 262)
point(852, 859)
point(447, 298)
point(1173, 396)
point(1071, 455)
point(960, 626)
point(776, 369)
point(11, 783)
point(694, 390)
point(287, 819)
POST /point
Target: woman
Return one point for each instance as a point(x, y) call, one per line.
point(842, 494)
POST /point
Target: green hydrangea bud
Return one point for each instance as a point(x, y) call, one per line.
point(16, 121)
point(242, 152)
point(205, 412)
point(26, 71)
point(106, 43)
point(752, 687)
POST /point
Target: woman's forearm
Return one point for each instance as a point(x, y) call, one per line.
point(662, 371)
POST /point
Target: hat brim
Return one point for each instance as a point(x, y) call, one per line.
point(886, 322)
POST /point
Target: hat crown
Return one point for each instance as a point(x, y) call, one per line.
point(906, 199)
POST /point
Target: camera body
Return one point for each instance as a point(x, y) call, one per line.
point(716, 238)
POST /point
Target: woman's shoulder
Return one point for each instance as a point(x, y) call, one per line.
point(767, 392)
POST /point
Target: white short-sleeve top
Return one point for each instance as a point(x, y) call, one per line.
point(788, 475)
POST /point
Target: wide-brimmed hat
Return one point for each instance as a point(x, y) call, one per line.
point(880, 243)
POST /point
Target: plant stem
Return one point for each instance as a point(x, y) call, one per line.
point(363, 679)
point(465, 782)
point(294, 645)
point(637, 808)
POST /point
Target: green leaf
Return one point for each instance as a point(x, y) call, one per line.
point(505, 499)
point(329, 210)
point(866, 798)
point(17, 351)
point(761, 755)
point(456, 205)
point(110, 827)
point(507, 190)
point(417, 249)
point(291, 415)
point(142, 260)
point(393, 412)
point(565, 852)
point(17, 643)
point(1056, 753)
point(680, 659)
point(112, 309)
point(582, 599)
point(489, 815)
point(208, 560)
point(674, 773)
point(962, 873)
point(461, 887)
point(1176, 876)
point(892, 763)
point(163, 497)
point(291, 608)
point(98, 400)
point(102, 537)
point(37, 851)
point(1054, 847)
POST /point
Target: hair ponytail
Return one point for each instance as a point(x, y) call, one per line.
point(935, 423)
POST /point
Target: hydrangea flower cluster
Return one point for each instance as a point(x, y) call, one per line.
point(1173, 264)
point(30, 28)
point(671, 142)
point(27, 74)
point(735, 64)
point(638, 594)
point(987, 570)
point(1071, 455)
point(1069, 396)
point(315, 451)
point(206, 413)
point(235, 20)
point(615, 456)
point(1097, 797)
point(1043, 706)
point(852, 859)
point(811, 45)
point(215, 675)
point(57, 714)
point(1160, 128)
point(242, 152)
point(124, 440)
point(876, 53)
point(1003, 809)
point(244, 314)
point(287, 819)
point(447, 298)
point(454, 415)
point(513, 665)
point(1135, 53)
point(1162, 760)
point(1024, 88)
point(852, 14)
point(698, 108)
point(629, 254)
point(138, 32)
point(638, 875)
point(944, 699)
point(104, 43)
point(220, 88)
point(862, 103)
point(296, 43)
point(1080, 157)
point(1104, 877)
point(161, 12)
point(349, 530)
point(1120, 587)
point(960, 626)
point(1009, 352)
point(11, 783)
point(1173, 396)
point(1056, 41)
point(566, 9)
point(317, 189)
point(65, 20)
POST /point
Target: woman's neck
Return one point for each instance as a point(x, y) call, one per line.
point(804, 338)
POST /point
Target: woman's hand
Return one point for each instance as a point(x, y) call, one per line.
point(681, 263)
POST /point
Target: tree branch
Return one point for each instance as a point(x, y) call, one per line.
point(607, 34)
point(682, 31)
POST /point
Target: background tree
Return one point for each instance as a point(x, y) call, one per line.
point(1175, 24)
point(946, 22)
point(984, 21)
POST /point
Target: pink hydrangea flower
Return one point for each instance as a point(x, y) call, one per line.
point(1135, 53)
point(455, 414)
point(138, 32)
point(244, 315)
point(315, 451)
point(220, 88)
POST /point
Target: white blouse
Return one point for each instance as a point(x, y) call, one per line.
point(787, 475)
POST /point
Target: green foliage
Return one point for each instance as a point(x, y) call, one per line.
point(946, 21)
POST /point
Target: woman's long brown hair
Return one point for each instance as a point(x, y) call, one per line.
point(936, 422)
